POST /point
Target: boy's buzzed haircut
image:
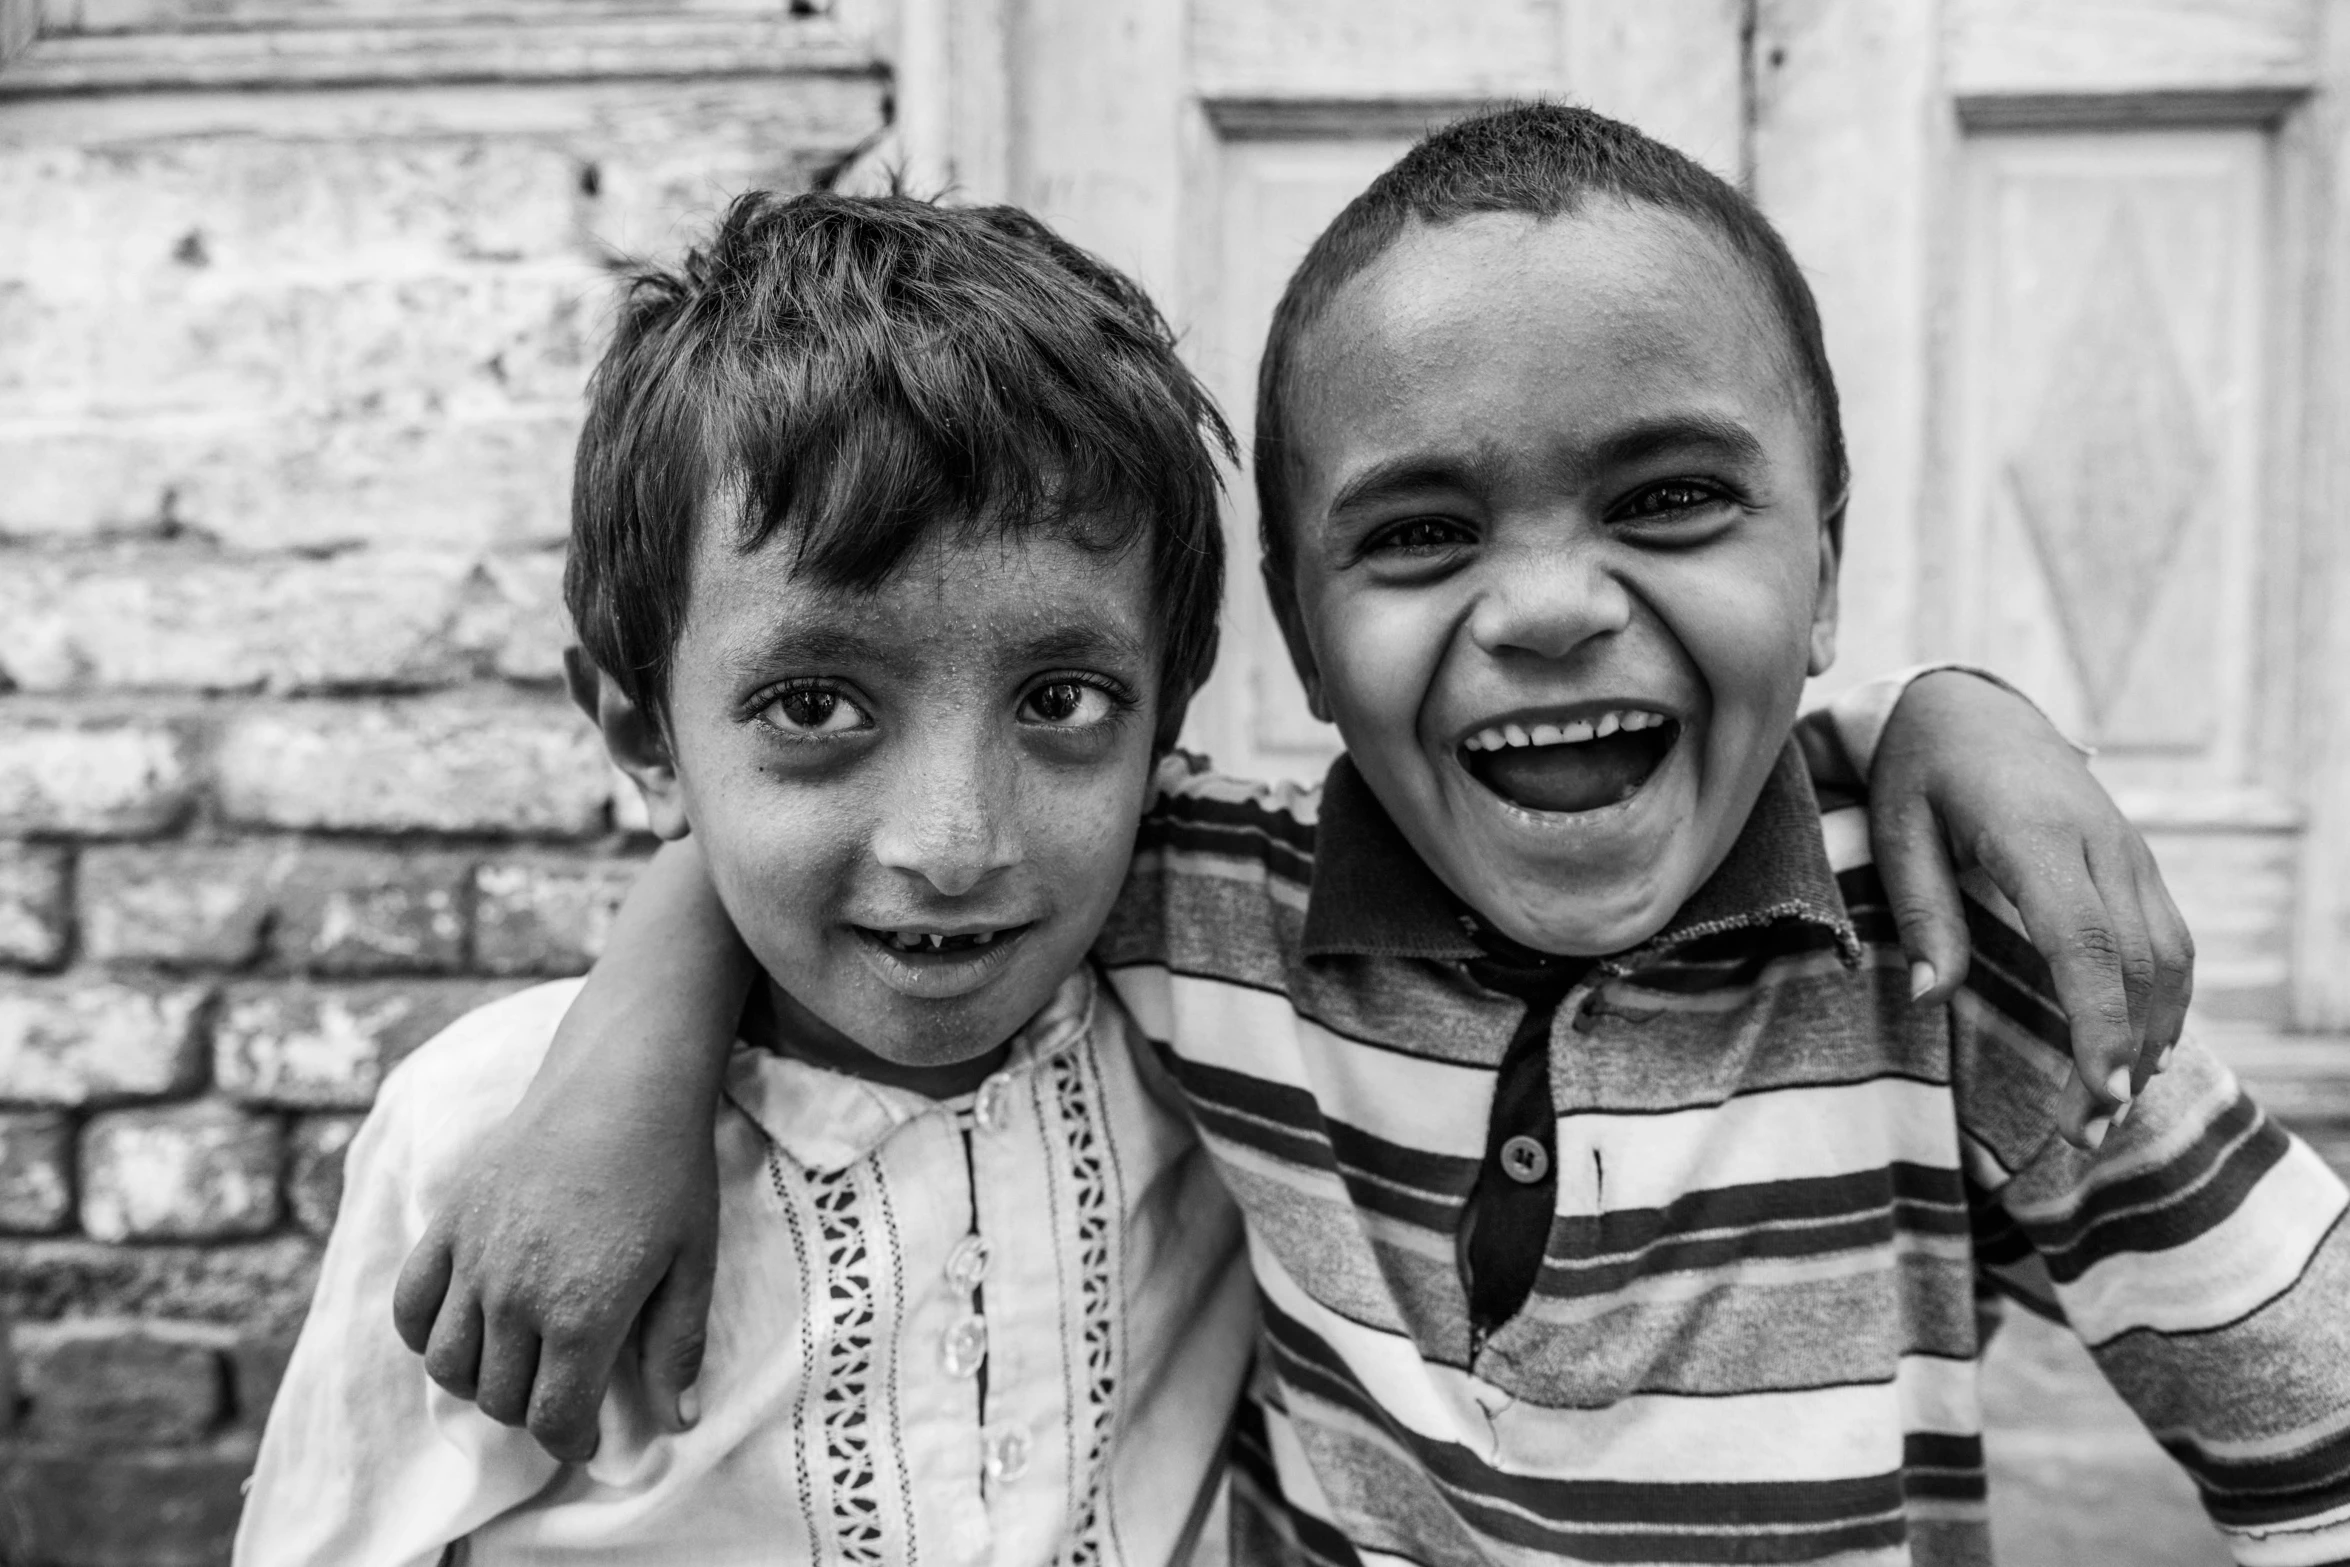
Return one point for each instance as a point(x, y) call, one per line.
point(863, 371)
point(1543, 159)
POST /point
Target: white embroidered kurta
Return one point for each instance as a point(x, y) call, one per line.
point(1008, 1329)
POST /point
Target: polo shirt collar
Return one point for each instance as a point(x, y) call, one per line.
point(1373, 896)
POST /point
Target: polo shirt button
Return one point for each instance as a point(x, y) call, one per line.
point(965, 1345)
point(1004, 1452)
point(994, 1109)
point(1524, 1160)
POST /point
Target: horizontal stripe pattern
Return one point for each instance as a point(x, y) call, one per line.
point(1781, 1193)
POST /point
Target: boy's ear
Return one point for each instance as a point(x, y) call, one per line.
point(632, 738)
point(1293, 632)
point(1824, 608)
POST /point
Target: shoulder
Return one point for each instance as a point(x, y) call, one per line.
point(1199, 814)
point(465, 1080)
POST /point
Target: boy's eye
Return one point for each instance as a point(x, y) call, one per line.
point(1418, 535)
point(814, 710)
point(1070, 703)
point(1667, 501)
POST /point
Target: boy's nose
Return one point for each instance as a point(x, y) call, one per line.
point(949, 817)
point(1548, 602)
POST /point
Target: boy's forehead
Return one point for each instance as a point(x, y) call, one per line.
point(1031, 591)
point(1501, 329)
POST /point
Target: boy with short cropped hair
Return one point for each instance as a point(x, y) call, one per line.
point(1607, 1196)
point(975, 1283)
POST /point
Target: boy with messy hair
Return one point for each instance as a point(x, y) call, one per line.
point(1607, 1195)
point(895, 554)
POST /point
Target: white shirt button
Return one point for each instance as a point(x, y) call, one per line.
point(967, 1264)
point(1004, 1452)
point(994, 1109)
point(964, 1346)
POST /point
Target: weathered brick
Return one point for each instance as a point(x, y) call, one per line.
point(192, 1171)
point(63, 1042)
point(372, 911)
point(257, 1365)
point(256, 203)
point(36, 1171)
point(182, 904)
point(103, 777)
point(118, 1382)
point(413, 343)
point(433, 765)
point(180, 618)
point(328, 907)
point(295, 479)
point(314, 1169)
point(263, 1286)
point(165, 1509)
point(541, 915)
point(326, 1047)
point(33, 905)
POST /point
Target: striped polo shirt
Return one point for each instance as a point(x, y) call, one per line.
point(1783, 1199)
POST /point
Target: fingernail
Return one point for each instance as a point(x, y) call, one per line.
point(2094, 1132)
point(689, 1406)
point(2117, 1087)
point(1921, 979)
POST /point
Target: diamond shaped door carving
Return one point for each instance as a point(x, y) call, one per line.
point(2113, 465)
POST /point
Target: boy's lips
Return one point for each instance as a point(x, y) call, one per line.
point(1583, 759)
point(937, 962)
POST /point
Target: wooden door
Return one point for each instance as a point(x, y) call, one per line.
point(2082, 268)
point(2082, 271)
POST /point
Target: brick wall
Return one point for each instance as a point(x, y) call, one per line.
point(288, 383)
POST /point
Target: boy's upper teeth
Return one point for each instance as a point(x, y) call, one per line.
point(1502, 736)
point(935, 940)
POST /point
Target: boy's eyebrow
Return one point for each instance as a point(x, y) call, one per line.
point(816, 645)
point(1397, 477)
point(1417, 473)
point(1072, 644)
point(1672, 432)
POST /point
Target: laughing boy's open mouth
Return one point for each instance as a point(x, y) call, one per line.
point(1574, 765)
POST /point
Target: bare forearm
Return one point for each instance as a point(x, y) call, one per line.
point(673, 971)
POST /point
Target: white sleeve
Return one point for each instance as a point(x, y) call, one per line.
point(364, 1462)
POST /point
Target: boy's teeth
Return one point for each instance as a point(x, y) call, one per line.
point(1510, 736)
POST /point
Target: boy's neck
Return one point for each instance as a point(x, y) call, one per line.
point(774, 1020)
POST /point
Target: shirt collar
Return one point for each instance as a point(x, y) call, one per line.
point(826, 1120)
point(1373, 896)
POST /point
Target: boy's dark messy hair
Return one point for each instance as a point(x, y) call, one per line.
point(859, 372)
point(1545, 159)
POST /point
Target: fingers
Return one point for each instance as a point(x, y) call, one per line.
point(509, 1365)
point(424, 1281)
point(2174, 965)
point(1922, 886)
point(567, 1395)
point(452, 1354)
point(2068, 920)
point(2079, 1118)
point(2114, 874)
point(675, 1324)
